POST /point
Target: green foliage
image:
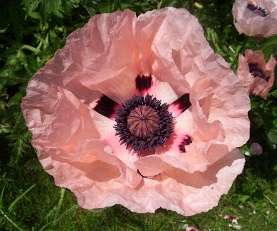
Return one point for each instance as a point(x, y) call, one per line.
point(30, 33)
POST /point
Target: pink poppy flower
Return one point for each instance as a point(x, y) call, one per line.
point(139, 111)
point(255, 74)
point(256, 17)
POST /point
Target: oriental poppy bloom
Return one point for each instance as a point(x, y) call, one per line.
point(256, 17)
point(255, 74)
point(139, 111)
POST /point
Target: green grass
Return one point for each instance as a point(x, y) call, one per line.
point(30, 32)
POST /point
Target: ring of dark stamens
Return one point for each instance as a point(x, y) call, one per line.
point(256, 71)
point(257, 10)
point(160, 124)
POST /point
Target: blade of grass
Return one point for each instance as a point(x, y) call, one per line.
point(270, 201)
point(54, 212)
point(74, 207)
point(20, 197)
point(10, 220)
point(60, 203)
point(2, 196)
point(269, 43)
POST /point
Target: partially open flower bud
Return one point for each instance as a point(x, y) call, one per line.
point(256, 149)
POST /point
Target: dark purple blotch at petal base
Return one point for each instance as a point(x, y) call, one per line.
point(186, 141)
point(183, 103)
point(143, 82)
point(257, 10)
point(106, 106)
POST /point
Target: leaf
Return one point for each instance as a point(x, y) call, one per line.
point(243, 198)
point(269, 46)
point(272, 135)
point(274, 93)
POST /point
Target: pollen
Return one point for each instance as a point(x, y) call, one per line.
point(143, 121)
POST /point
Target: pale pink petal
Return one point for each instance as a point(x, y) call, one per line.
point(114, 147)
point(228, 119)
point(45, 109)
point(206, 130)
point(128, 157)
point(80, 177)
point(184, 193)
point(216, 152)
point(159, 33)
point(100, 57)
point(235, 123)
point(250, 22)
point(111, 70)
point(162, 91)
point(150, 166)
point(194, 158)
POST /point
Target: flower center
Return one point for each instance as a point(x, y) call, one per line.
point(143, 123)
point(257, 10)
point(256, 71)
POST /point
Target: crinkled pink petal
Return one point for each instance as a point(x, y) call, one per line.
point(185, 193)
point(194, 157)
point(104, 54)
point(251, 22)
point(79, 147)
point(114, 147)
point(150, 166)
point(45, 109)
point(162, 91)
point(227, 120)
point(160, 33)
point(256, 85)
